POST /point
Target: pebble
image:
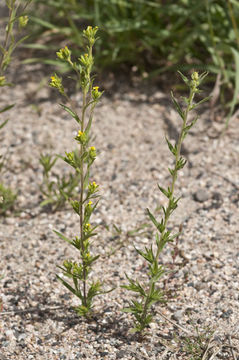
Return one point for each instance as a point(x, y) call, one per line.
point(201, 195)
point(10, 221)
point(178, 315)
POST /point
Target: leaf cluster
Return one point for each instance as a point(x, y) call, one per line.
point(57, 190)
point(7, 199)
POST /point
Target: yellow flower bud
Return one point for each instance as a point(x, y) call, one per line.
point(56, 82)
point(81, 137)
point(2, 80)
point(22, 21)
point(96, 94)
point(64, 54)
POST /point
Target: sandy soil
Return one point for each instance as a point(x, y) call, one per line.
point(36, 320)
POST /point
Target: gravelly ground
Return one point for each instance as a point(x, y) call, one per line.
point(36, 321)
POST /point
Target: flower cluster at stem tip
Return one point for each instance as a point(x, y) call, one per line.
point(56, 82)
point(81, 137)
point(92, 187)
point(195, 80)
point(90, 33)
point(64, 54)
point(96, 94)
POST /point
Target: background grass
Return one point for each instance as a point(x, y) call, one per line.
point(154, 36)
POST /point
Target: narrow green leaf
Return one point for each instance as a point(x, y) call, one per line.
point(88, 126)
point(3, 124)
point(200, 102)
point(187, 82)
point(152, 218)
point(47, 202)
point(19, 42)
point(71, 112)
point(172, 148)
point(69, 287)
point(118, 230)
point(177, 107)
point(63, 237)
point(164, 191)
point(8, 107)
point(44, 23)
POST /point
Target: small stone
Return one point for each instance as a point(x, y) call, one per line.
point(201, 195)
point(2, 357)
point(10, 221)
point(178, 315)
point(120, 354)
point(21, 337)
point(227, 314)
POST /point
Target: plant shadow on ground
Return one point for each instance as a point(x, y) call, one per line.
point(66, 315)
point(115, 327)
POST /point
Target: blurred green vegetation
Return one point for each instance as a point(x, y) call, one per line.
point(156, 36)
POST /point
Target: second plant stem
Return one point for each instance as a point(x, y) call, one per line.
point(167, 212)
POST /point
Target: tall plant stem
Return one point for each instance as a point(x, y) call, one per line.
point(167, 212)
point(81, 196)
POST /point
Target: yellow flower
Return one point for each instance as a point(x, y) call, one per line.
point(87, 228)
point(81, 137)
point(96, 94)
point(92, 187)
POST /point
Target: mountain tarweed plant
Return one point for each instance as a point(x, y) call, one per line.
point(150, 292)
point(84, 207)
point(16, 14)
point(57, 190)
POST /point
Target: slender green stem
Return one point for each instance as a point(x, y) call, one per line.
point(81, 196)
point(82, 176)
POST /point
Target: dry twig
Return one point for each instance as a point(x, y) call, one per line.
point(189, 332)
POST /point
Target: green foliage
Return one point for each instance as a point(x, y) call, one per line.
point(57, 190)
point(154, 35)
point(9, 43)
point(16, 15)
point(149, 293)
point(197, 346)
point(81, 162)
point(7, 199)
